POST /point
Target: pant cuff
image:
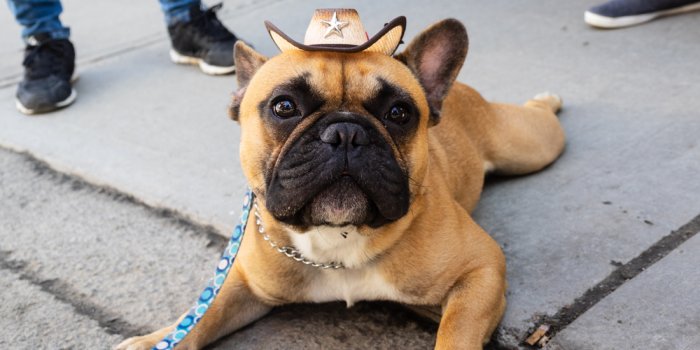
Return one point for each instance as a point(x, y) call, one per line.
point(62, 33)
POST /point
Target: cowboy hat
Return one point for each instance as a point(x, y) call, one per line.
point(340, 30)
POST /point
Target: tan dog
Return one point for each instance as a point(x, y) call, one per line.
point(374, 162)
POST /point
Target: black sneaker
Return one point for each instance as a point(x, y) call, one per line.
point(48, 68)
point(203, 41)
point(624, 13)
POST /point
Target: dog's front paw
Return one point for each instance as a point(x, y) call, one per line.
point(146, 342)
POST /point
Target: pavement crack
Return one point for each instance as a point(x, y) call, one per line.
point(215, 239)
point(64, 293)
point(625, 272)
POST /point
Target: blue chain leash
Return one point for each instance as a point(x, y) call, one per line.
point(214, 285)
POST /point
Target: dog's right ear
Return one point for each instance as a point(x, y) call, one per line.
point(247, 62)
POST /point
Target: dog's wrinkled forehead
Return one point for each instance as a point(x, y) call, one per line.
point(322, 83)
point(339, 79)
point(332, 86)
point(365, 85)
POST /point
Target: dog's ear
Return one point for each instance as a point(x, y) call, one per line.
point(435, 58)
point(247, 62)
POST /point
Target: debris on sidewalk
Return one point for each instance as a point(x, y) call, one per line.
point(539, 337)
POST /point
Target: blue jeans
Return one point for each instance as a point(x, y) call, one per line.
point(41, 16)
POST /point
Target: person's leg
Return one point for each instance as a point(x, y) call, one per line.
point(49, 57)
point(625, 13)
point(198, 37)
point(39, 17)
point(177, 10)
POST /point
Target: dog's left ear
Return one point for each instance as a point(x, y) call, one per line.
point(247, 62)
point(435, 58)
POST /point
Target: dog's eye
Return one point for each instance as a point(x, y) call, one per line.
point(397, 114)
point(285, 109)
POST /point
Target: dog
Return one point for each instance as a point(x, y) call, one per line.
point(366, 166)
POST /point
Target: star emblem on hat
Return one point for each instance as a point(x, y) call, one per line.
point(328, 33)
point(334, 26)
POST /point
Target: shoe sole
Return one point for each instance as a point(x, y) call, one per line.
point(70, 99)
point(601, 21)
point(203, 66)
point(28, 111)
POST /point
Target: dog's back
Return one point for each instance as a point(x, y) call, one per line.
point(493, 137)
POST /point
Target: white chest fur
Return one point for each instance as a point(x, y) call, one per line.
point(339, 244)
point(351, 285)
point(359, 281)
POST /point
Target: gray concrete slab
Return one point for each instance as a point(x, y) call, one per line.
point(10, 46)
point(128, 261)
point(34, 319)
point(627, 178)
point(661, 306)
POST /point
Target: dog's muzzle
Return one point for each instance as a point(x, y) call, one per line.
point(340, 171)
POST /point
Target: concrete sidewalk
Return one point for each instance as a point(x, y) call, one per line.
point(600, 245)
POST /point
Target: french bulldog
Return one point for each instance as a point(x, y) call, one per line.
point(365, 166)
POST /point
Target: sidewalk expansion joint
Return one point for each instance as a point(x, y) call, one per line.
point(65, 294)
point(547, 326)
point(215, 239)
point(139, 43)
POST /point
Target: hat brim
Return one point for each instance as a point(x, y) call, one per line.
point(386, 41)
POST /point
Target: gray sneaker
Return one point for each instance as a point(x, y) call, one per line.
point(625, 13)
point(48, 67)
point(203, 41)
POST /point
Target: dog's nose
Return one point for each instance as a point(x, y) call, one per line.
point(345, 134)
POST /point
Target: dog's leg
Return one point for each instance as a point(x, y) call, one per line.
point(475, 303)
point(234, 307)
point(525, 138)
point(474, 306)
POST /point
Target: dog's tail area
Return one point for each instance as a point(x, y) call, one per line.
point(552, 100)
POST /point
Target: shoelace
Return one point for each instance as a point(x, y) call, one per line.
point(46, 59)
point(211, 26)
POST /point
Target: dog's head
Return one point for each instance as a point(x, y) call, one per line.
point(338, 139)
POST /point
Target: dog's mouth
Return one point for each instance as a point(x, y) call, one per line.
point(331, 181)
point(341, 203)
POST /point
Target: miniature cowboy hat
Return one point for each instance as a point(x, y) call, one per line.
point(340, 30)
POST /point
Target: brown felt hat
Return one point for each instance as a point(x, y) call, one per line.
point(340, 30)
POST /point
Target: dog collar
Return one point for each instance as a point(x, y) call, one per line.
point(289, 251)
